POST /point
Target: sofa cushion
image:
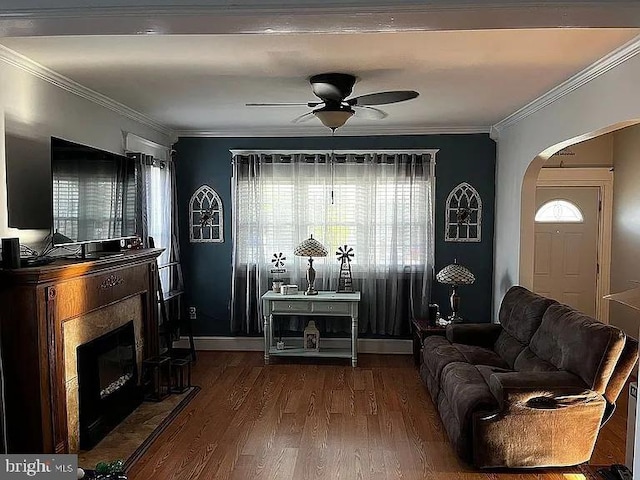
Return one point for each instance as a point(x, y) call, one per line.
point(520, 315)
point(480, 356)
point(487, 370)
point(437, 353)
point(528, 361)
point(466, 391)
point(508, 347)
point(575, 342)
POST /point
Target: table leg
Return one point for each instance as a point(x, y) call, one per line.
point(354, 341)
point(417, 347)
point(267, 340)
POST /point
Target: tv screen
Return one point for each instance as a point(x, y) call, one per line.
point(94, 194)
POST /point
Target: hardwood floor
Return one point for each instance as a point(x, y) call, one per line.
point(305, 420)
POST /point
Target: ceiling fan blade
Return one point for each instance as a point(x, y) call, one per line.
point(303, 118)
point(382, 98)
point(370, 112)
point(307, 104)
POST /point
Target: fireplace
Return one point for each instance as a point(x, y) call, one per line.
point(108, 383)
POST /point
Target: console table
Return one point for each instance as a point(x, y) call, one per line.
point(323, 304)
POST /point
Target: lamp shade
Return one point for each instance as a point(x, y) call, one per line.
point(455, 274)
point(334, 118)
point(310, 248)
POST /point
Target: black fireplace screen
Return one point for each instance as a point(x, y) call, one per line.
point(108, 383)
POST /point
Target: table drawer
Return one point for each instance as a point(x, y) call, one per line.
point(332, 308)
point(282, 306)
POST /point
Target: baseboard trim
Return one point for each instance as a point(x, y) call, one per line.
point(256, 344)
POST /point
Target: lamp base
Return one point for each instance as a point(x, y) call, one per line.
point(455, 306)
point(311, 278)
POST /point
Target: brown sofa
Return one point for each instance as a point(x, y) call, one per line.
point(532, 391)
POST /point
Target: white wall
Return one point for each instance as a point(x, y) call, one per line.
point(32, 110)
point(604, 104)
point(597, 152)
point(625, 238)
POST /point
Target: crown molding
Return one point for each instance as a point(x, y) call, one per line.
point(593, 71)
point(15, 59)
point(353, 131)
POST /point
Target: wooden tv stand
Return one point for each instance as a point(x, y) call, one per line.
point(45, 312)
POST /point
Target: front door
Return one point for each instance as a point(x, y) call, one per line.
point(566, 245)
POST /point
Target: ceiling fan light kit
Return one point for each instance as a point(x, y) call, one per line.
point(335, 108)
point(334, 118)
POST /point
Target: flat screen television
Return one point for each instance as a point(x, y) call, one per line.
point(94, 194)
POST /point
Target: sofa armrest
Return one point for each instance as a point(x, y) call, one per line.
point(545, 418)
point(480, 334)
point(540, 390)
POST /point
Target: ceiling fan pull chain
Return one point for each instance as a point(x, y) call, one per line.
point(332, 160)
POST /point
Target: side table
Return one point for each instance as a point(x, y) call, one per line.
point(323, 304)
point(421, 329)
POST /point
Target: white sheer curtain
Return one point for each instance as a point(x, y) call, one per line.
point(155, 200)
point(159, 225)
point(381, 204)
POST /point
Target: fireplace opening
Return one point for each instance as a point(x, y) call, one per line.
point(107, 382)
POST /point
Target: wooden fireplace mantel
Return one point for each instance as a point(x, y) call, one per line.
point(34, 304)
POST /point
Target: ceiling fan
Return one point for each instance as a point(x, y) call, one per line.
point(334, 108)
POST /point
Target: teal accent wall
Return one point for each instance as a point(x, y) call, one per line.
point(207, 266)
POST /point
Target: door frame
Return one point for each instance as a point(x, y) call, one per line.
point(603, 179)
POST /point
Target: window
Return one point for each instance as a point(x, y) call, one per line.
point(380, 204)
point(205, 216)
point(378, 210)
point(559, 211)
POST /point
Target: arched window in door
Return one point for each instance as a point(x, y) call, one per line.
point(559, 211)
point(205, 216)
point(463, 221)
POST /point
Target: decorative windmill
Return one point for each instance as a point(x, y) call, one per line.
point(345, 284)
point(278, 263)
point(278, 268)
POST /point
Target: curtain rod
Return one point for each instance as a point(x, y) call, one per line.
point(414, 151)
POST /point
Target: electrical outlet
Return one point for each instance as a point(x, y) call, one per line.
point(192, 313)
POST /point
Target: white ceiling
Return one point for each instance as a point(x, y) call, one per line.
point(201, 82)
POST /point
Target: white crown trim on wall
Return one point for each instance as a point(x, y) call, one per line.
point(18, 60)
point(320, 131)
point(593, 71)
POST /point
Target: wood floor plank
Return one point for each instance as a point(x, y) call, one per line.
point(307, 421)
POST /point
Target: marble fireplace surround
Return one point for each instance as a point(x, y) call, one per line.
point(84, 328)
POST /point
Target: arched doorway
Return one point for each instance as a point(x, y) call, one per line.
point(568, 178)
